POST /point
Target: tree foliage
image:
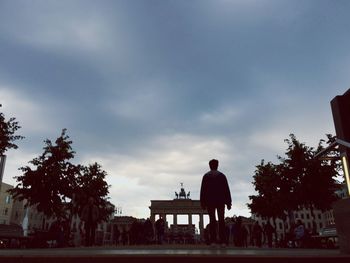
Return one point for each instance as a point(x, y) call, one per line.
point(267, 184)
point(8, 129)
point(48, 185)
point(299, 181)
point(314, 179)
point(55, 186)
point(91, 183)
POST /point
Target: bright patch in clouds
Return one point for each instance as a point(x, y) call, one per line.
point(221, 116)
point(155, 173)
point(31, 116)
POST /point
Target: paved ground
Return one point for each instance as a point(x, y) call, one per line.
point(171, 254)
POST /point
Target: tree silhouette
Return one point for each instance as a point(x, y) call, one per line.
point(59, 188)
point(8, 128)
point(314, 179)
point(267, 184)
point(268, 203)
point(315, 182)
point(48, 185)
point(91, 183)
point(299, 181)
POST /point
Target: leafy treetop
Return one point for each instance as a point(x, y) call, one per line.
point(8, 128)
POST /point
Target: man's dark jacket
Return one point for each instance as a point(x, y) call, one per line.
point(215, 190)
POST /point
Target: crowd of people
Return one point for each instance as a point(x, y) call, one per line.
point(214, 197)
point(144, 232)
point(237, 234)
point(261, 235)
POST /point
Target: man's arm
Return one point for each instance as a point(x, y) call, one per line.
point(227, 194)
point(203, 192)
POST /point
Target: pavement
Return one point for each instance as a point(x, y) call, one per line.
point(171, 254)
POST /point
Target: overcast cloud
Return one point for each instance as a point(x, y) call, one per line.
point(152, 90)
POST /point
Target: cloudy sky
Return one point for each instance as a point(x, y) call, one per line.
point(152, 90)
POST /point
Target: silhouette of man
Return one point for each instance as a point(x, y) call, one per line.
point(160, 227)
point(90, 216)
point(299, 232)
point(269, 230)
point(116, 235)
point(214, 195)
point(257, 234)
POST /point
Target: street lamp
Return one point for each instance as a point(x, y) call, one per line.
point(2, 167)
point(340, 109)
point(346, 172)
point(341, 208)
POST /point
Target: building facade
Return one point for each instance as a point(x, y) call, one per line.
point(6, 204)
point(314, 221)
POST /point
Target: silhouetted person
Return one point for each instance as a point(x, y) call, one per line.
point(299, 233)
point(257, 234)
point(206, 235)
point(124, 237)
point(116, 235)
point(290, 236)
point(214, 195)
point(238, 230)
point(244, 236)
point(227, 235)
point(269, 230)
point(90, 216)
point(148, 231)
point(160, 228)
point(57, 231)
point(135, 233)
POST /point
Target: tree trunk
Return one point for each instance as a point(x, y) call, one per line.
point(284, 229)
point(275, 223)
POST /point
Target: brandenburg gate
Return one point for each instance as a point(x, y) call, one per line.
point(180, 205)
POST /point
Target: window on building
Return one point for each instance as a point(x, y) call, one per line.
point(307, 216)
point(302, 216)
point(280, 225)
point(6, 210)
point(7, 199)
point(319, 216)
point(321, 225)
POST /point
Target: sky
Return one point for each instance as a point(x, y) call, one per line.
point(154, 89)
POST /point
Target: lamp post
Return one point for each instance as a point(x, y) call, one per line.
point(341, 116)
point(2, 167)
point(345, 163)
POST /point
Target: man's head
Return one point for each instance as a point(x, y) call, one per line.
point(213, 164)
